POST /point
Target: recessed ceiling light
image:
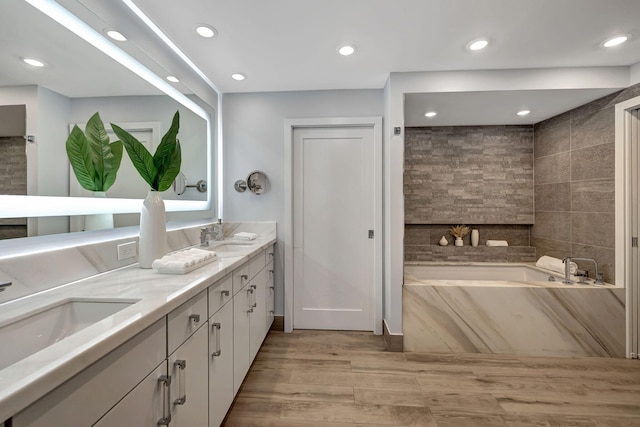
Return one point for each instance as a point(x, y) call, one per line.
point(173, 79)
point(346, 50)
point(615, 41)
point(238, 76)
point(206, 31)
point(34, 62)
point(523, 113)
point(116, 35)
point(430, 114)
point(478, 44)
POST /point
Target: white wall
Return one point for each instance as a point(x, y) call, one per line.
point(253, 126)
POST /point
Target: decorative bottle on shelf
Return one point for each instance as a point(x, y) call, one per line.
point(459, 241)
point(475, 237)
point(443, 241)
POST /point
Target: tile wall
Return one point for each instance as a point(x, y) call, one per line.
point(13, 180)
point(574, 183)
point(474, 175)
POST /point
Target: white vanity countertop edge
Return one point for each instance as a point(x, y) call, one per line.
point(26, 381)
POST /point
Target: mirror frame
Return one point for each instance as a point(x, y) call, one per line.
point(14, 206)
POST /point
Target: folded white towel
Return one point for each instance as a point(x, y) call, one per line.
point(183, 259)
point(554, 264)
point(245, 236)
point(497, 243)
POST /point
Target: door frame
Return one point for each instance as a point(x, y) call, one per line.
point(623, 214)
point(332, 122)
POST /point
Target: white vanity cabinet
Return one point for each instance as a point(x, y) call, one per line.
point(250, 316)
point(187, 328)
point(85, 398)
point(183, 371)
point(221, 350)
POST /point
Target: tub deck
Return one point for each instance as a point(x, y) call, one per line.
point(513, 317)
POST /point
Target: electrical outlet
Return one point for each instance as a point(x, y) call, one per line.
point(127, 250)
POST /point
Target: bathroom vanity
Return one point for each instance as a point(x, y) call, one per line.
point(173, 352)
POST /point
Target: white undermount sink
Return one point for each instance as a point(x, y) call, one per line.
point(40, 328)
point(231, 246)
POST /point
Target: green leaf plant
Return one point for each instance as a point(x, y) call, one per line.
point(161, 169)
point(94, 160)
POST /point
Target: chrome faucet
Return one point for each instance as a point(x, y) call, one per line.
point(567, 270)
point(4, 285)
point(205, 232)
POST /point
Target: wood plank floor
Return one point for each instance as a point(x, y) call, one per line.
point(342, 379)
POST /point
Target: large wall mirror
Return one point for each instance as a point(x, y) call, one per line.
point(76, 81)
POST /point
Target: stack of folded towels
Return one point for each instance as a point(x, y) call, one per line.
point(183, 261)
point(245, 236)
point(555, 264)
point(497, 243)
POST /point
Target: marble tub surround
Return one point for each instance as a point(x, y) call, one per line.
point(503, 317)
point(39, 263)
point(24, 382)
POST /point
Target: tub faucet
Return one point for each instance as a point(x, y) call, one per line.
point(567, 269)
point(4, 285)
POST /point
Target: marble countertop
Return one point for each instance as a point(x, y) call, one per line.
point(157, 294)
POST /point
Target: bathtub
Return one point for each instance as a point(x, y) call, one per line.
point(488, 272)
point(505, 308)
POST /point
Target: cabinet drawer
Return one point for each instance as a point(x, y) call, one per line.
point(185, 320)
point(240, 277)
point(256, 263)
point(219, 293)
point(86, 397)
point(141, 407)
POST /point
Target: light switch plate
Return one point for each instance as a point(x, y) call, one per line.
point(127, 250)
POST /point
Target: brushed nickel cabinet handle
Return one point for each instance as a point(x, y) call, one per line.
point(216, 327)
point(181, 365)
point(165, 383)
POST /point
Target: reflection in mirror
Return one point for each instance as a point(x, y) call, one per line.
point(76, 81)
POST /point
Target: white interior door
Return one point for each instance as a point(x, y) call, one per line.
point(333, 211)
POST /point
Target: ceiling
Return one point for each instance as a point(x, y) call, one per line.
point(290, 45)
point(283, 45)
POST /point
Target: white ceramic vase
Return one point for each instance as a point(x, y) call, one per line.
point(98, 221)
point(153, 230)
point(459, 241)
point(475, 237)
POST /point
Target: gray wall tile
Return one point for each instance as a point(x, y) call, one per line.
point(593, 162)
point(553, 197)
point(469, 174)
point(553, 139)
point(593, 195)
point(591, 180)
point(552, 226)
point(596, 229)
point(554, 168)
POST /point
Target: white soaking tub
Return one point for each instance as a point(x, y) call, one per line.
point(509, 308)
